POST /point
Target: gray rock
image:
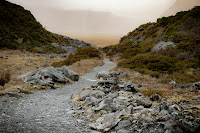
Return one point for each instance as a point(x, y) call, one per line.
point(128, 86)
point(65, 71)
point(163, 45)
point(59, 77)
point(154, 128)
point(106, 122)
point(117, 74)
point(92, 101)
point(163, 105)
point(155, 97)
point(174, 108)
point(112, 95)
point(146, 118)
point(83, 95)
point(146, 102)
point(104, 106)
point(122, 102)
point(108, 100)
point(193, 86)
point(102, 74)
point(123, 124)
point(73, 76)
point(97, 93)
point(57, 47)
point(164, 115)
point(69, 49)
point(124, 131)
point(46, 77)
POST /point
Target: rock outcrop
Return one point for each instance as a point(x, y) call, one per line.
point(49, 76)
point(163, 45)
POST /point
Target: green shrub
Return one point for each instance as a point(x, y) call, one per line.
point(153, 62)
point(182, 77)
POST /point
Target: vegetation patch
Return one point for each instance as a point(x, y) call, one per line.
point(83, 53)
point(4, 77)
point(179, 62)
point(23, 31)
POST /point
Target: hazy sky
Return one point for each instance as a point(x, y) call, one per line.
point(116, 17)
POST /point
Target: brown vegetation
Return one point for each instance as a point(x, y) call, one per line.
point(18, 62)
point(85, 66)
point(81, 54)
point(4, 77)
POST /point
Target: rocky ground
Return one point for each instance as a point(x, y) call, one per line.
point(115, 106)
point(99, 101)
point(47, 110)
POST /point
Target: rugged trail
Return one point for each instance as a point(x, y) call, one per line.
point(47, 110)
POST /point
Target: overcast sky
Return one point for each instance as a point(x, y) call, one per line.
point(117, 7)
point(95, 16)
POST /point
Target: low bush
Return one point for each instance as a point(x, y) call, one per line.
point(183, 77)
point(153, 62)
point(149, 92)
point(4, 77)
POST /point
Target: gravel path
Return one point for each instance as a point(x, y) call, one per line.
point(47, 111)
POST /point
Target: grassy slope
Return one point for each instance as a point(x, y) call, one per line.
point(181, 63)
point(16, 23)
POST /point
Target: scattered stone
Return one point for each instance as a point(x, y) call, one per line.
point(155, 97)
point(146, 102)
point(106, 122)
point(163, 45)
point(113, 107)
point(123, 124)
point(57, 47)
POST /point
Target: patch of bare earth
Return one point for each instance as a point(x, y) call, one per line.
point(18, 62)
point(85, 66)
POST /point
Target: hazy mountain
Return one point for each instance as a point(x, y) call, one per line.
point(181, 5)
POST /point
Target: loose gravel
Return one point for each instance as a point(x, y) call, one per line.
point(47, 111)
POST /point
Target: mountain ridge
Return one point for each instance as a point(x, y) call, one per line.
point(20, 30)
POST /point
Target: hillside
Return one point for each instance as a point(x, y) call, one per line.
point(20, 30)
point(171, 47)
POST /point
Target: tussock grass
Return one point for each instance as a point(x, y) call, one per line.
point(4, 77)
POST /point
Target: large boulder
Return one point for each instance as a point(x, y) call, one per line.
point(48, 76)
point(163, 45)
point(146, 102)
point(106, 122)
point(73, 76)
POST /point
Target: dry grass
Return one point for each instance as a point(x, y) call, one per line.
point(153, 85)
point(85, 66)
point(26, 60)
point(145, 80)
